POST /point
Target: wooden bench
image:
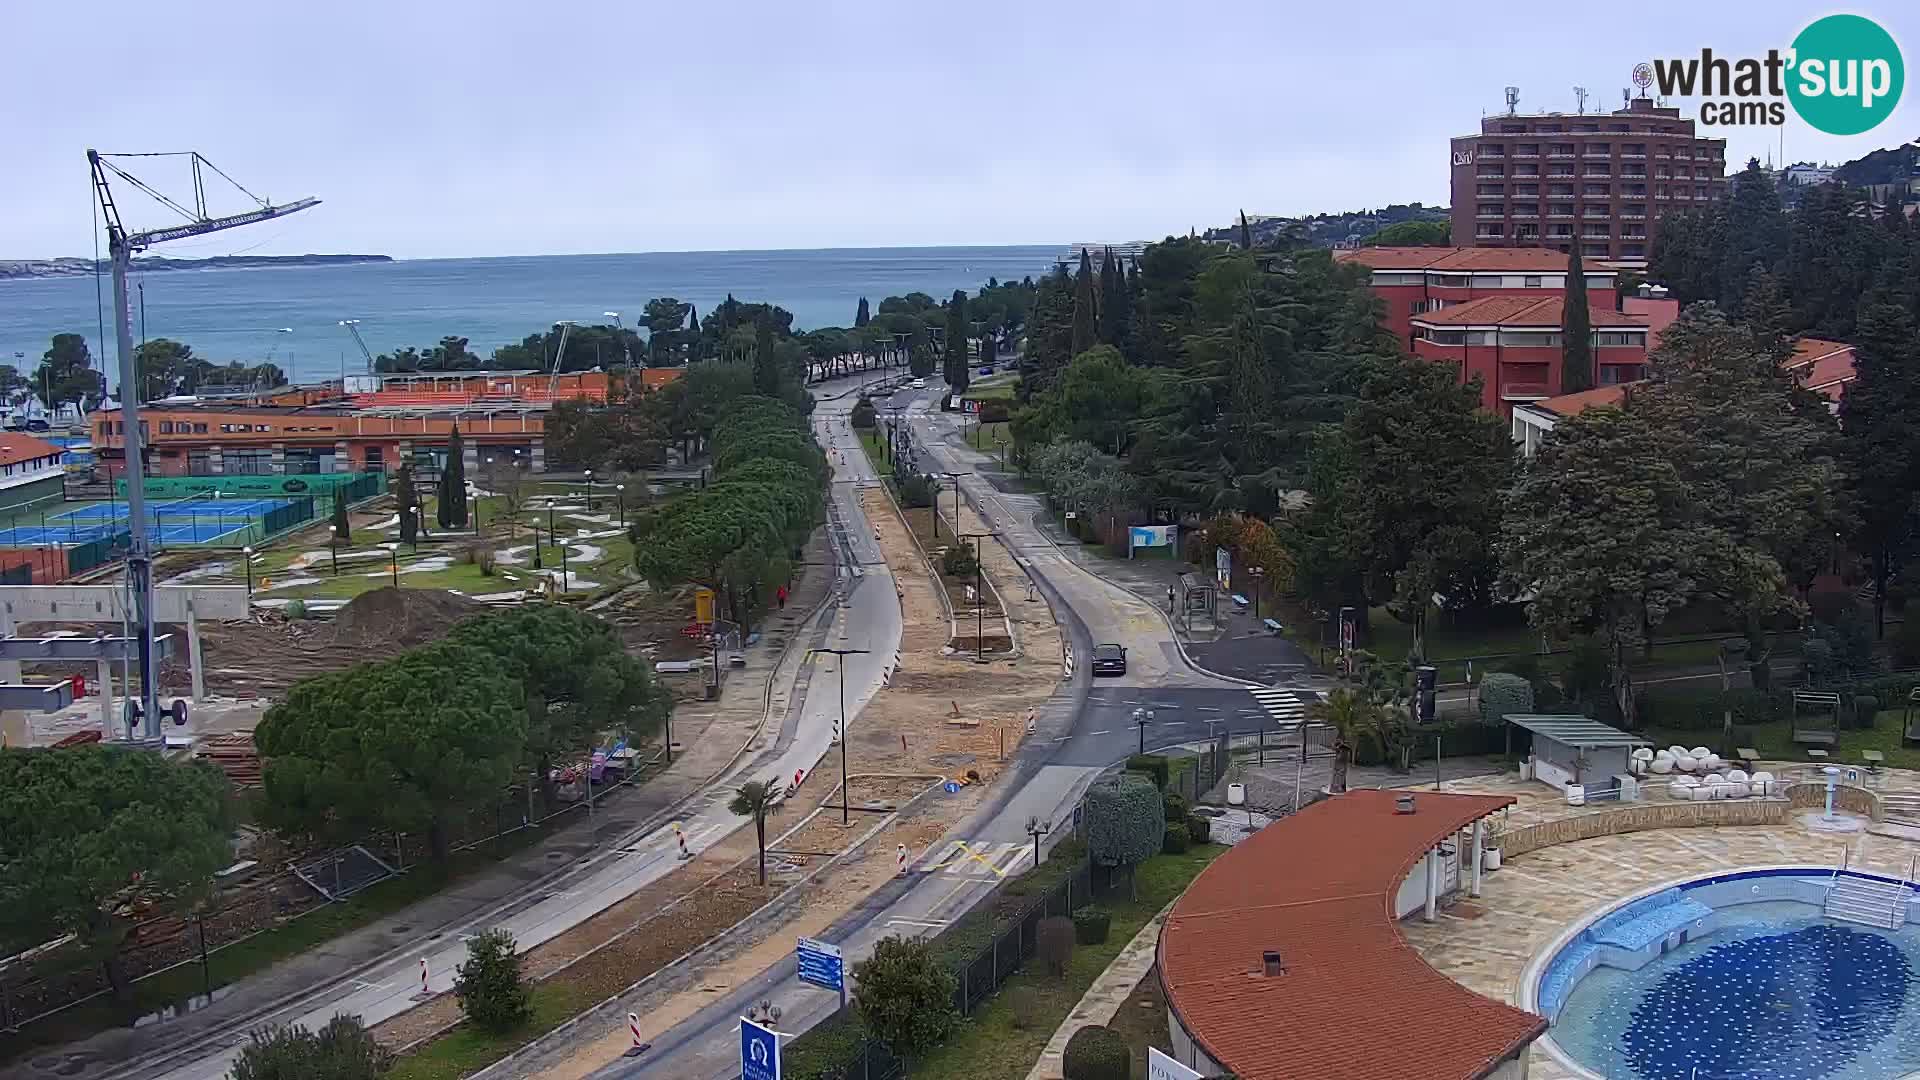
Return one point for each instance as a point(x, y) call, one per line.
point(1749, 757)
point(1874, 759)
point(1273, 626)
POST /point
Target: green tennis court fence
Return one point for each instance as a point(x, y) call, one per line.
point(354, 486)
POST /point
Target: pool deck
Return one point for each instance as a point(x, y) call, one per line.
point(1485, 944)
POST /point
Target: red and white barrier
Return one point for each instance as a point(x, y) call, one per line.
point(901, 857)
point(633, 1029)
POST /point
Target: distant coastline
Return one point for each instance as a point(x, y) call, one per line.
point(72, 267)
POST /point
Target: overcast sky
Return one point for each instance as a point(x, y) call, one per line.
point(490, 128)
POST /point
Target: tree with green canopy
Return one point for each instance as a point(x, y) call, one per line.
point(452, 511)
point(342, 525)
point(1085, 299)
point(90, 835)
point(1412, 234)
point(756, 799)
point(408, 503)
point(69, 376)
point(1126, 820)
point(1097, 399)
point(958, 373)
point(1880, 443)
point(904, 992)
point(343, 1049)
point(861, 316)
point(416, 744)
point(1576, 330)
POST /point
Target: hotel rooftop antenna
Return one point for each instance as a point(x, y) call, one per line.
point(1580, 95)
point(121, 245)
point(1513, 100)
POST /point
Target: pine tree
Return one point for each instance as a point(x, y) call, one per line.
point(766, 371)
point(1755, 231)
point(1083, 306)
point(1246, 233)
point(693, 334)
point(861, 317)
point(1880, 442)
point(1576, 330)
point(1764, 309)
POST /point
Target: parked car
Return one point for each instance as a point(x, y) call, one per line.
point(919, 384)
point(986, 369)
point(1109, 659)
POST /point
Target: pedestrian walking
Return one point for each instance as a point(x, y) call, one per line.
point(780, 594)
point(1169, 599)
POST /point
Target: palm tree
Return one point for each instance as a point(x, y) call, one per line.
point(1354, 716)
point(756, 799)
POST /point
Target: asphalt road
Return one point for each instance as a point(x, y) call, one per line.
point(1083, 729)
point(867, 616)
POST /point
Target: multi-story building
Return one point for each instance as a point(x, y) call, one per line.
point(1513, 345)
point(1596, 180)
point(1415, 280)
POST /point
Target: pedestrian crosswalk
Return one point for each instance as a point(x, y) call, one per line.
point(1285, 706)
point(988, 861)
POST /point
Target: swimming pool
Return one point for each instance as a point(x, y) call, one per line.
point(1736, 976)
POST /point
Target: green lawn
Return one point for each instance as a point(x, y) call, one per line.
point(1776, 741)
point(994, 388)
point(466, 1049)
point(995, 1044)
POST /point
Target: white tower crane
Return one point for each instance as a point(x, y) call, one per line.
point(121, 245)
point(353, 327)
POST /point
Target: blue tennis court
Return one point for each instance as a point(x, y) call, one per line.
point(161, 511)
point(201, 531)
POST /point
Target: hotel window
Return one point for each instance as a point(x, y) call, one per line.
point(1447, 337)
point(166, 427)
point(1531, 281)
point(1616, 337)
point(199, 429)
point(1530, 338)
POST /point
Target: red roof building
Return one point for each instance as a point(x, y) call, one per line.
point(1825, 367)
point(1512, 344)
point(1284, 960)
point(1412, 281)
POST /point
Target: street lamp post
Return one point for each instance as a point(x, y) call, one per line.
point(955, 477)
point(1141, 718)
point(979, 597)
point(620, 496)
point(246, 556)
point(1258, 573)
point(473, 502)
point(589, 474)
point(536, 540)
point(333, 545)
point(393, 561)
point(412, 510)
point(846, 793)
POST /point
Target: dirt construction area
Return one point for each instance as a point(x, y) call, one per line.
point(940, 715)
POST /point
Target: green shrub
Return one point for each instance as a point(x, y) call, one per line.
point(296, 608)
point(1053, 943)
point(1458, 738)
point(1175, 805)
point(1154, 765)
point(1199, 829)
point(1097, 1053)
point(1091, 924)
point(491, 990)
point(1864, 706)
point(905, 995)
point(1175, 841)
point(994, 411)
point(1504, 694)
point(916, 490)
point(1023, 1005)
point(342, 1050)
point(1124, 820)
point(960, 561)
point(1704, 708)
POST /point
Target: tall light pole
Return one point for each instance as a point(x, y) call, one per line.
point(846, 793)
point(955, 477)
point(620, 496)
point(393, 560)
point(246, 556)
point(1258, 573)
point(589, 475)
point(979, 596)
point(1141, 718)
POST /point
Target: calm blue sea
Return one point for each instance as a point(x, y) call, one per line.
point(237, 314)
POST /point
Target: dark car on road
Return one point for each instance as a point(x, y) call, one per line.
point(1109, 659)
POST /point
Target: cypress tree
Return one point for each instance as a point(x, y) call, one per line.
point(861, 317)
point(1113, 301)
point(1576, 330)
point(341, 527)
point(1083, 306)
point(766, 375)
point(1246, 233)
point(453, 484)
point(957, 332)
point(693, 333)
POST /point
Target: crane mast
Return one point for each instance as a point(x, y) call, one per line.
point(121, 244)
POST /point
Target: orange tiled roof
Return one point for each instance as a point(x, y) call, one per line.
point(16, 448)
point(1576, 403)
point(1458, 259)
point(1355, 1001)
point(1521, 311)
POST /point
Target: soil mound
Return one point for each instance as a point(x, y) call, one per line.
point(400, 617)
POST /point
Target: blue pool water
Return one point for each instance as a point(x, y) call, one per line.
point(1782, 994)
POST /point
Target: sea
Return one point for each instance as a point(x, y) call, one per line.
point(291, 315)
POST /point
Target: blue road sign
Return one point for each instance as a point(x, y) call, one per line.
point(822, 965)
point(759, 1052)
point(952, 788)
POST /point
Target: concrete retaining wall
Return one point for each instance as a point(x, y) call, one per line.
point(1642, 816)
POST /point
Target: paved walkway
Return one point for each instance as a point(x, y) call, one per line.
point(707, 735)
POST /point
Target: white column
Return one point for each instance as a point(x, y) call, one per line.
point(193, 655)
point(106, 700)
point(1433, 883)
point(1479, 838)
point(9, 669)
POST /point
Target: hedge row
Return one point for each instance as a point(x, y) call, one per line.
point(1703, 708)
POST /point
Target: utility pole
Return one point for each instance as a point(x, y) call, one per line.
point(1141, 718)
point(979, 593)
point(846, 793)
point(121, 245)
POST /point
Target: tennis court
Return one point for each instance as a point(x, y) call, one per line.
point(193, 531)
point(241, 509)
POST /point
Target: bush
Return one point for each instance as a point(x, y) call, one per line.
point(1175, 840)
point(1906, 642)
point(862, 416)
point(1097, 1053)
point(1504, 694)
point(1023, 1005)
point(1864, 706)
point(491, 991)
point(1124, 820)
point(994, 411)
point(1154, 765)
point(960, 561)
point(1053, 943)
point(1200, 829)
point(905, 995)
point(1091, 924)
point(481, 556)
point(296, 608)
point(1458, 738)
point(1704, 708)
point(342, 1050)
point(916, 489)
point(1174, 805)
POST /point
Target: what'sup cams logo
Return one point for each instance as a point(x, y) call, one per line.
point(1843, 75)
